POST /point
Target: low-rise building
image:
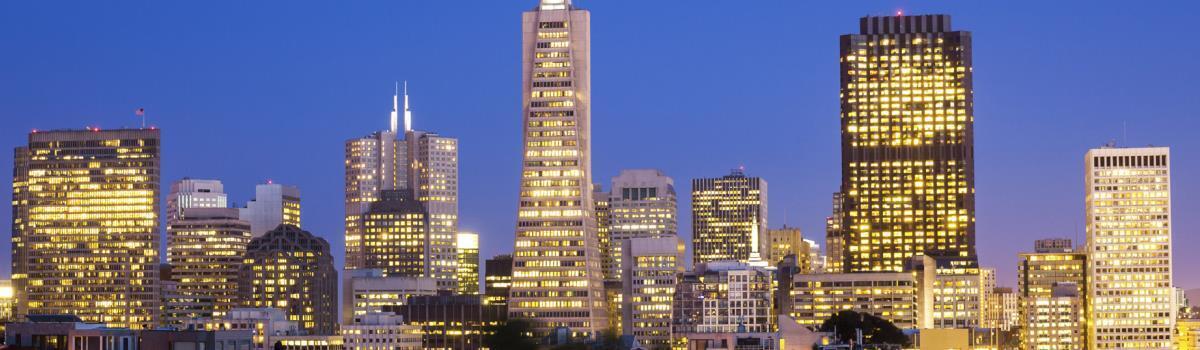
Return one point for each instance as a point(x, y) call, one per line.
point(449, 321)
point(67, 332)
point(722, 297)
point(380, 331)
point(1055, 322)
point(265, 324)
point(366, 291)
point(888, 295)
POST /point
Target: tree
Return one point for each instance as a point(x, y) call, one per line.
point(875, 330)
point(514, 334)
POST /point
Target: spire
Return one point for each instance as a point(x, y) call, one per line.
point(407, 111)
point(395, 106)
point(755, 258)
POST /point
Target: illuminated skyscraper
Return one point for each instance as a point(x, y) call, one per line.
point(291, 269)
point(729, 218)
point(86, 226)
point(205, 248)
point(195, 193)
point(642, 205)
point(467, 248)
point(557, 273)
point(1131, 298)
point(423, 163)
point(273, 205)
point(908, 168)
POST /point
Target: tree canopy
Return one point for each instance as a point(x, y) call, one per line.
point(875, 330)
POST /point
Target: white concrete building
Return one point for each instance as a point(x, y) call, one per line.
point(273, 204)
point(1129, 246)
point(650, 270)
point(195, 193)
point(380, 331)
point(642, 204)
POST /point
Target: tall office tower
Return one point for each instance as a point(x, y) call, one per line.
point(724, 297)
point(785, 241)
point(642, 205)
point(291, 269)
point(833, 237)
point(908, 164)
point(85, 225)
point(603, 209)
point(423, 163)
point(205, 247)
point(650, 268)
point(1129, 248)
point(467, 272)
point(497, 279)
point(557, 272)
point(728, 213)
point(401, 242)
point(195, 193)
point(273, 205)
point(1055, 321)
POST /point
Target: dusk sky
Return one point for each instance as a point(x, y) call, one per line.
point(248, 91)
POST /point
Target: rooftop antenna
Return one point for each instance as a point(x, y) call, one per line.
point(1124, 132)
point(407, 110)
point(141, 112)
point(395, 106)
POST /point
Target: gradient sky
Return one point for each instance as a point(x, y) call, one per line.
point(246, 91)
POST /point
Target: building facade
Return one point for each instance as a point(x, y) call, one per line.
point(724, 297)
point(888, 295)
point(273, 205)
point(91, 198)
point(401, 241)
point(1053, 262)
point(497, 280)
point(467, 271)
point(785, 241)
point(1131, 296)
point(368, 291)
point(642, 205)
point(907, 116)
point(291, 269)
point(205, 248)
point(650, 269)
point(380, 331)
point(557, 272)
point(195, 193)
point(450, 322)
point(1055, 321)
point(728, 215)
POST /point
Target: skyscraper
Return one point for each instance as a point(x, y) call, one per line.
point(642, 205)
point(1131, 299)
point(273, 205)
point(467, 248)
point(291, 269)
point(195, 193)
point(557, 276)
point(908, 168)
point(205, 248)
point(401, 241)
point(86, 226)
point(423, 163)
point(729, 218)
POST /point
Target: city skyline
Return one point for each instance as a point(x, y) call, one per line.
point(495, 221)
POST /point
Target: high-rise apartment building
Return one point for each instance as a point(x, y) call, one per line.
point(273, 205)
point(467, 272)
point(291, 269)
point(908, 168)
point(642, 205)
point(86, 226)
point(557, 272)
point(729, 216)
point(195, 193)
point(205, 248)
point(422, 164)
point(650, 268)
point(1131, 297)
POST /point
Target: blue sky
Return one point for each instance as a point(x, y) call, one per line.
point(250, 91)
